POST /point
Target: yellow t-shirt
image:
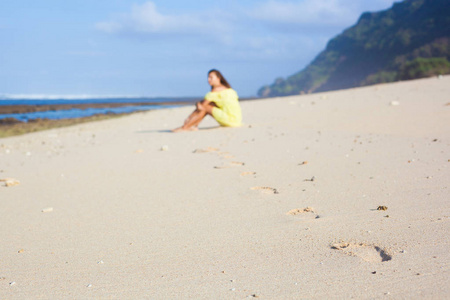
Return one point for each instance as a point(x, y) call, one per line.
point(228, 110)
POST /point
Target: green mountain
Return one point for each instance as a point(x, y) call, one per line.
point(410, 40)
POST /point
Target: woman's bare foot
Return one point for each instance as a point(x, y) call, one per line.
point(180, 129)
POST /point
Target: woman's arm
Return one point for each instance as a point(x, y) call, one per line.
point(205, 102)
point(206, 106)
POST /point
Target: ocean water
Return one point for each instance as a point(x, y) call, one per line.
point(150, 104)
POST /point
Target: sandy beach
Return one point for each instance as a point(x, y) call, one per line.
point(342, 194)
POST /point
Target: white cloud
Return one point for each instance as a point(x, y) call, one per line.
point(269, 29)
point(304, 12)
point(146, 19)
point(315, 13)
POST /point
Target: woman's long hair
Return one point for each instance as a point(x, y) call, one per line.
point(223, 81)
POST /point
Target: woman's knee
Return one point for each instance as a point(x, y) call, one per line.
point(200, 105)
point(205, 106)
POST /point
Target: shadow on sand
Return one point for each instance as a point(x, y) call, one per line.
point(170, 131)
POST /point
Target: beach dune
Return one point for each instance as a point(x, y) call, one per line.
point(342, 194)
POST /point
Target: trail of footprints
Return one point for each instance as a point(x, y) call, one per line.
point(367, 252)
point(226, 155)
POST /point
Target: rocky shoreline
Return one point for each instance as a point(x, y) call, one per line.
point(20, 109)
point(12, 126)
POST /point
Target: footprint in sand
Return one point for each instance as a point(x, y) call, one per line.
point(10, 182)
point(230, 165)
point(208, 149)
point(248, 173)
point(369, 253)
point(225, 155)
point(298, 211)
point(265, 189)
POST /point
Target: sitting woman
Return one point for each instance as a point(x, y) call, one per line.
point(221, 103)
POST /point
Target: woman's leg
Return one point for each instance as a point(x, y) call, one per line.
point(193, 116)
point(194, 119)
point(203, 108)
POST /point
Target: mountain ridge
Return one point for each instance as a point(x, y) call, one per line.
point(409, 40)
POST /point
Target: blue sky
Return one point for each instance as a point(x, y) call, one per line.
point(163, 47)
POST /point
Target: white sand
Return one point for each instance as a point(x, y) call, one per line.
point(125, 220)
